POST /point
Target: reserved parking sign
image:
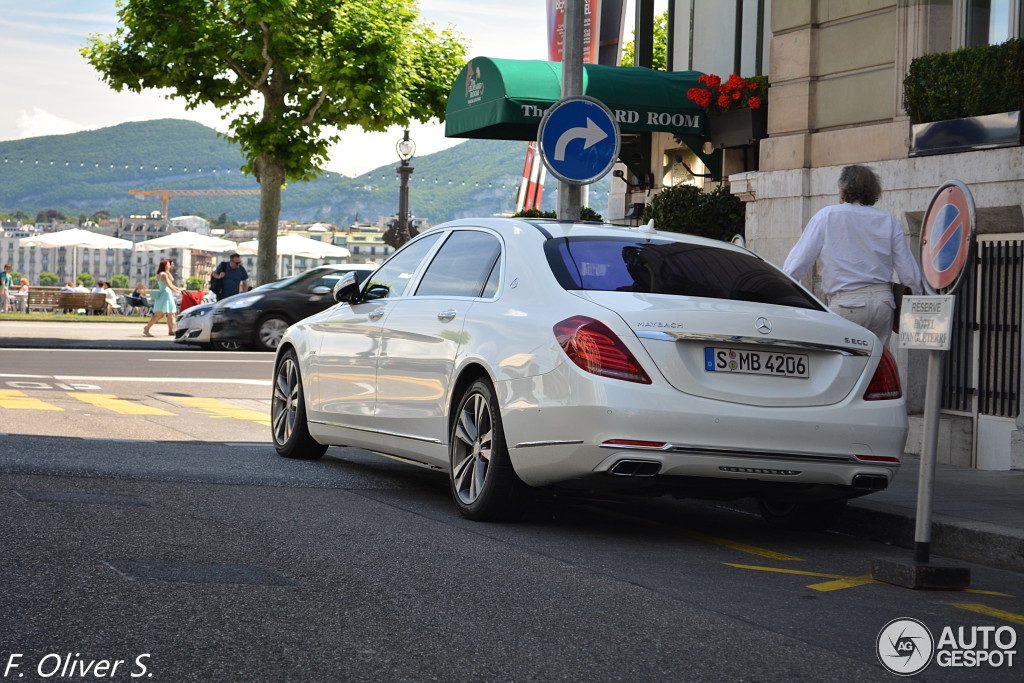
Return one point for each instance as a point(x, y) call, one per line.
point(926, 322)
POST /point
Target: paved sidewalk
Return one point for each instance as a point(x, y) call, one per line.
point(26, 334)
point(978, 516)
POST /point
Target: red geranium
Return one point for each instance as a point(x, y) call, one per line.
point(735, 93)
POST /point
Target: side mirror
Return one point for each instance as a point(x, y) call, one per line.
point(322, 289)
point(346, 289)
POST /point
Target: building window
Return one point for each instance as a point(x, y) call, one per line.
point(989, 22)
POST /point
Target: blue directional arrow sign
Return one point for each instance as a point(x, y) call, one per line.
point(579, 140)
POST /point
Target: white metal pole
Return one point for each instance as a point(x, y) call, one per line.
point(926, 478)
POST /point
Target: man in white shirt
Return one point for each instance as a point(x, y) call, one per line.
point(859, 247)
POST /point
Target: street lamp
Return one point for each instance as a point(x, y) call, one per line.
point(402, 232)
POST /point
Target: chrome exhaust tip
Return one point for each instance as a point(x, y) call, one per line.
point(629, 467)
point(870, 482)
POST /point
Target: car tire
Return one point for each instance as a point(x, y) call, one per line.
point(269, 332)
point(484, 485)
point(801, 516)
point(288, 426)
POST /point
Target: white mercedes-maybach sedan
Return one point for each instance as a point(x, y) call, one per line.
point(516, 354)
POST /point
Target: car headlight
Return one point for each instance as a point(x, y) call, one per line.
point(242, 302)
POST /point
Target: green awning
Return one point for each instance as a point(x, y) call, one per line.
point(505, 99)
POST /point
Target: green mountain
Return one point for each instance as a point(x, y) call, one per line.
point(91, 171)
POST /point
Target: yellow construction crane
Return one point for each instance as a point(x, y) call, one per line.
point(165, 195)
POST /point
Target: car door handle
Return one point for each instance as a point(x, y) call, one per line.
point(446, 316)
point(376, 315)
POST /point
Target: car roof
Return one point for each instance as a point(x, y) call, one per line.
point(548, 228)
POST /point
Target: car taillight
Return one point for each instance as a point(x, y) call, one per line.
point(595, 348)
point(885, 385)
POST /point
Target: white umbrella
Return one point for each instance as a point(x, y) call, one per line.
point(74, 238)
point(187, 240)
point(297, 245)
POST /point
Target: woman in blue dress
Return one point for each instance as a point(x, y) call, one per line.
point(163, 301)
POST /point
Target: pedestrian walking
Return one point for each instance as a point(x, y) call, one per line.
point(859, 247)
point(6, 283)
point(163, 301)
point(232, 276)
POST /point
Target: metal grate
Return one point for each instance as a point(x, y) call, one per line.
point(989, 304)
point(1000, 271)
point(958, 375)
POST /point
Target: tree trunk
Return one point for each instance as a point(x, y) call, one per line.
point(271, 174)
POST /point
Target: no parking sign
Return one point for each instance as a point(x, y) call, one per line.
point(947, 238)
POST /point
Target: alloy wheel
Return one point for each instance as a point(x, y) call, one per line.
point(271, 331)
point(286, 401)
point(472, 450)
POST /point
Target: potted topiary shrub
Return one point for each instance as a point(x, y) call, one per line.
point(966, 100)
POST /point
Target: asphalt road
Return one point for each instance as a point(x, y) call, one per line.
point(206, 557)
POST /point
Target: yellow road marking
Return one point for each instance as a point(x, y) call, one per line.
point(839, 584)
point(991, 612)
point(979, 592)
point(839, 581)
point(117, 405)
point(17, 400)
point(221, 409)
point(734, 545)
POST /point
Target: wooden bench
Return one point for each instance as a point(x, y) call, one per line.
point(48, 300)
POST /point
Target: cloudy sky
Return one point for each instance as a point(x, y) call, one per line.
point(47, 88)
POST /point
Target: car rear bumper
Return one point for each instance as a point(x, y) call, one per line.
point(554, 441)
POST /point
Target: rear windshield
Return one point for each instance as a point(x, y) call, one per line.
point(627, 264)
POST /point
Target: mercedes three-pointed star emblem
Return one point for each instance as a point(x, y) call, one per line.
point(763, 325)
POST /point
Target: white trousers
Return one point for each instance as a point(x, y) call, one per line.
point(871, 307)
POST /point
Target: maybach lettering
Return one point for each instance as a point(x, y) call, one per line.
point(657, 324)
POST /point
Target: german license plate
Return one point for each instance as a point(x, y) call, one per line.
point(720, 359)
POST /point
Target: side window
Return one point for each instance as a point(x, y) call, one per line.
point(394, 277)
point(462, 265)
point(491, 288)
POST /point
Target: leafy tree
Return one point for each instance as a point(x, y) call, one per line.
point(48, 279)
point(86, 279)
point(120, 282)
point(16, 278)
point(659, 59)
point(99, 216)
point(194, 284)
point(21, 216)
point(153, 280)
point(285, 74)
point(689, 209)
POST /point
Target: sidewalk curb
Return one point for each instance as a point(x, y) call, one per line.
point(991, 545)
point(144, 344)
point(987, 544)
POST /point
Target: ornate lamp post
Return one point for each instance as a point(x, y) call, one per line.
point(402, 232)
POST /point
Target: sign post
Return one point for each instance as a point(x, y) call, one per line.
point(926, 322)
